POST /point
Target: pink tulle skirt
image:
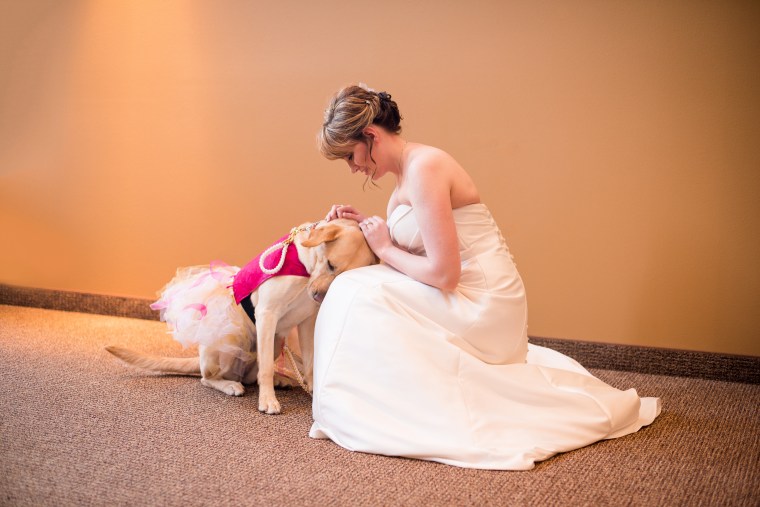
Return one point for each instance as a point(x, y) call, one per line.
point(199, 308)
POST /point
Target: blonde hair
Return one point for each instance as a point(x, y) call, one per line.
point(351, 110)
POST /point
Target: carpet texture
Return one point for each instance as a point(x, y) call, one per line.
point(79, 428)
point(659, 361)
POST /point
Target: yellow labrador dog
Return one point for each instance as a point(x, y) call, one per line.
point(238, 343)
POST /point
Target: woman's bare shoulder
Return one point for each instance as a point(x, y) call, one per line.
point(426, 159)
point(435, 167)
point(424, 154)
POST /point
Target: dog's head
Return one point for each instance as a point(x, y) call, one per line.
point(336, 246)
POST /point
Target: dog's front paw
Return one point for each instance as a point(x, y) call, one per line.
point(269, 404)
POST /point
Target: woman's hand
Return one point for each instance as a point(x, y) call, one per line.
point(344, 211)
point(377, 234)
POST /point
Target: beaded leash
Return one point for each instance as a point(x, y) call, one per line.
point(299, 376)
point(283, 245)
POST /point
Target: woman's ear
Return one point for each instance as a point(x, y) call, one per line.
point(370, 132)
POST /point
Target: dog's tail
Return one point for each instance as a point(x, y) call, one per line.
point(176, 365)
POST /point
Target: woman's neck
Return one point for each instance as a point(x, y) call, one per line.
point(397, 156)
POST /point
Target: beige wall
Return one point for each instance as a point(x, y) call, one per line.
point(615, 141)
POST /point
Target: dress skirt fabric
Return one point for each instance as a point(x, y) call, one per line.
point(404, 369)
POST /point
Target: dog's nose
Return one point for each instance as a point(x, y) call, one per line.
point(318, 296)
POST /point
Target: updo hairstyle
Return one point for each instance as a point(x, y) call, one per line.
point(351, 110)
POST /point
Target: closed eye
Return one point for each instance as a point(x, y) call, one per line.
point(330, 267)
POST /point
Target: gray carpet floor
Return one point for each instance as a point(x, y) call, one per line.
point(78, 428)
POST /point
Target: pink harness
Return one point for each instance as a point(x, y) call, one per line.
point(250, 277)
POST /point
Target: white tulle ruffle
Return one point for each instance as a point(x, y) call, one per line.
point(198, 306)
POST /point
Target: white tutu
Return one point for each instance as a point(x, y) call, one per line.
point(199, 308)
point(198, 305)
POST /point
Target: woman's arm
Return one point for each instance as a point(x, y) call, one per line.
point(427, 185)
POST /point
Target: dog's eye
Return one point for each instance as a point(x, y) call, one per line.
point(330, 267)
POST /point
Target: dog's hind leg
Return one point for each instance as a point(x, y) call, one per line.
point(283, 381)
point(212, 374)
point(226, 386)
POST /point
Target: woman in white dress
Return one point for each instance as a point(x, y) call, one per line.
point(426, 355)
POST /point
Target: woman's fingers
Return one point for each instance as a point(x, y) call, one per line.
point(374, 220)
point(334, 212)
point(368, 225)
point(344, 211)
point(376, 233)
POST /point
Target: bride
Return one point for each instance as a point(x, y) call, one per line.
point(426, 355)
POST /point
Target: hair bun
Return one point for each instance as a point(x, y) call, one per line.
point(388, 115)
point(351, 110)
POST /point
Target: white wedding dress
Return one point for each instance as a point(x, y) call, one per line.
point(404, 369)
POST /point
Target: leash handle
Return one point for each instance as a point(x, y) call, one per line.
point(278, 267)
point(284, 245)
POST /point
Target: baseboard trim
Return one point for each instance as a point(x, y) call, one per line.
point(77, 302)
point(658, 361)
point(593, 355)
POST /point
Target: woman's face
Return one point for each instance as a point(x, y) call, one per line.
point(359, 160)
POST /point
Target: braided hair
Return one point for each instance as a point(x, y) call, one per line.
point(351, 110)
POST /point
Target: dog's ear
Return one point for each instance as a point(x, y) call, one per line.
point(322, 235)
